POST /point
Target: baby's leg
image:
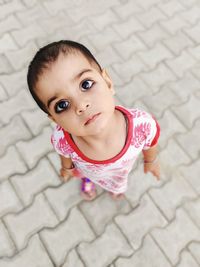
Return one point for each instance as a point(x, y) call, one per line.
point(88, 190)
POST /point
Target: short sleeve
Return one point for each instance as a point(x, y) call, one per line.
point(59, 142)
point(146, 130)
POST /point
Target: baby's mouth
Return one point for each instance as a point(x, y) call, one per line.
point(91, 119)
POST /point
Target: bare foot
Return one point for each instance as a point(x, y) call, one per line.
point(88, 190)
point(116, 196)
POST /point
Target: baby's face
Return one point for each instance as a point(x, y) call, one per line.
point(77, 95)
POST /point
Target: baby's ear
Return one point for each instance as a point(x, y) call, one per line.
point(108, 80)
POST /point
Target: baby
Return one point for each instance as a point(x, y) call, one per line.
point(96, 140)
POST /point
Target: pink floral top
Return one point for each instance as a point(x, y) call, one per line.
point(143, 132)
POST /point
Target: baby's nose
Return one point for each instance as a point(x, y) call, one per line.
point(82, 108)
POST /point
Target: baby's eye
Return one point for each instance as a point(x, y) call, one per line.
point(87, 84)
point(61, 106)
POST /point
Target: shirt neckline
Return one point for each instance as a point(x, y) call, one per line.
point(127, 115)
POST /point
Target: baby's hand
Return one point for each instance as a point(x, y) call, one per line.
point(154, 168)
point(66, 174)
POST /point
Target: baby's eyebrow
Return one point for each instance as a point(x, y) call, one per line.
point(81, 73)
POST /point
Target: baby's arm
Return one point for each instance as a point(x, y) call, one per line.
point(66, 171)
point(151, 163)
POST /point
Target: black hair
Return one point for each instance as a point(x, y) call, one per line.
point(49, 54)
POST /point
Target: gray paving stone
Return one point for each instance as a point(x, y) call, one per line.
point(28, 33)
point(11, 163)
point(107, 247)
point(194, 32)
point(8, 24)
point(24, 224)
point(37, 151)
point(158, 77)
point(147, 4)
point(194, 51)
point(191, 15)
point(170, 196)
point(127, 9)
point(14, 82)
point(176, 235)
point(63, 198)
point(108, 57)
point(170, 8)
point(56, 23)
point(73, 260)
point(153, 35)
point(187, 3)
point(31, 14)
point(109, 209)
point(174, 24)
point(36, 120)
point(68, 234)
point(22, 57)
point(148, 255)
point(55, 161)
point(7, 43)
point(170, 124)
point(54, 7)
point(10, 7)
point(13, 132)
point(151, 16)
point(187, 260)
point(154, 56)
point(103, 20)
point(191, 173)
point(35, 181)
point(9, 201)
point(188, 112)
point(169, 163)
point(6, 245)
point(127, 48)
point(159, 102)
point(192, 209)
point(104, 38)
point(136, 85)
point(34, 255)
point(3, 95)
point(5, 65)
point(178, 43)
point(127, 69)
point(139, 183)
point(185, 86)
point(195, 250)
point(145, 217)
point(130, 26)
point(16, 105)
point(181, 64)
point(191, 138)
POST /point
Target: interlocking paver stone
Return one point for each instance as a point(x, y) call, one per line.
point(9, 201)
point(13, 132)
point(176, 235)
point(171, 7)
point(187, 260)
point(34, 255)
point(6, 245)
point(7, 43)
point(191, 15)
point(138, 223)
point(153, 35)
point(191, 173)
point(24, 224)
point(174, 24)
point(68, 234)
point(195, 250)
point(194, 32)
point(192, 209)
point(63, 198)
point(73, 260)
point(172, 194)
point(10, 7)
point(109, 209)
point(8, 169)
point(148, 255)
point(111, 241)
point(37, 151)
point(127, 9)
point(35, 181)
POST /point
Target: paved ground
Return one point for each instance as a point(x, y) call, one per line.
point(151, 49)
